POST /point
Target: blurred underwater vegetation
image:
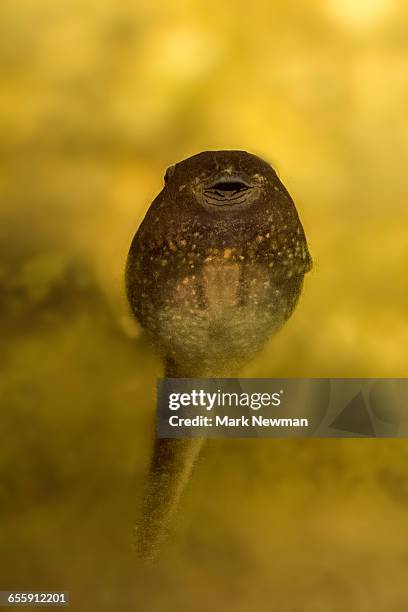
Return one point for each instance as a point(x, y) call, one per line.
point(97, 99)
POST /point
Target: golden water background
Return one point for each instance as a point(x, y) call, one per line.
point(97, 98)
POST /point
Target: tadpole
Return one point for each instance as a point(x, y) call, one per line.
point(215, 269)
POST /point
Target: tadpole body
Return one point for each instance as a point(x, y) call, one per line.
point(215, 269)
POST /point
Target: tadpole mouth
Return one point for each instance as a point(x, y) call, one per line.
point(227, 192)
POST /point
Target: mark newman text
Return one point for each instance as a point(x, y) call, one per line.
point(242, 421)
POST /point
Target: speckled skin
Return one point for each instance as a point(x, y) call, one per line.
point(212, 274)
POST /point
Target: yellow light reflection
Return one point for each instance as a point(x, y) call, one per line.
point(360, 14)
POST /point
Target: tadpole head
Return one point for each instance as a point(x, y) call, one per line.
point(217, 266)
point(221, 182)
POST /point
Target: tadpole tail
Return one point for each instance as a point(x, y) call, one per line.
point(170, 470)
point(171, 466)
